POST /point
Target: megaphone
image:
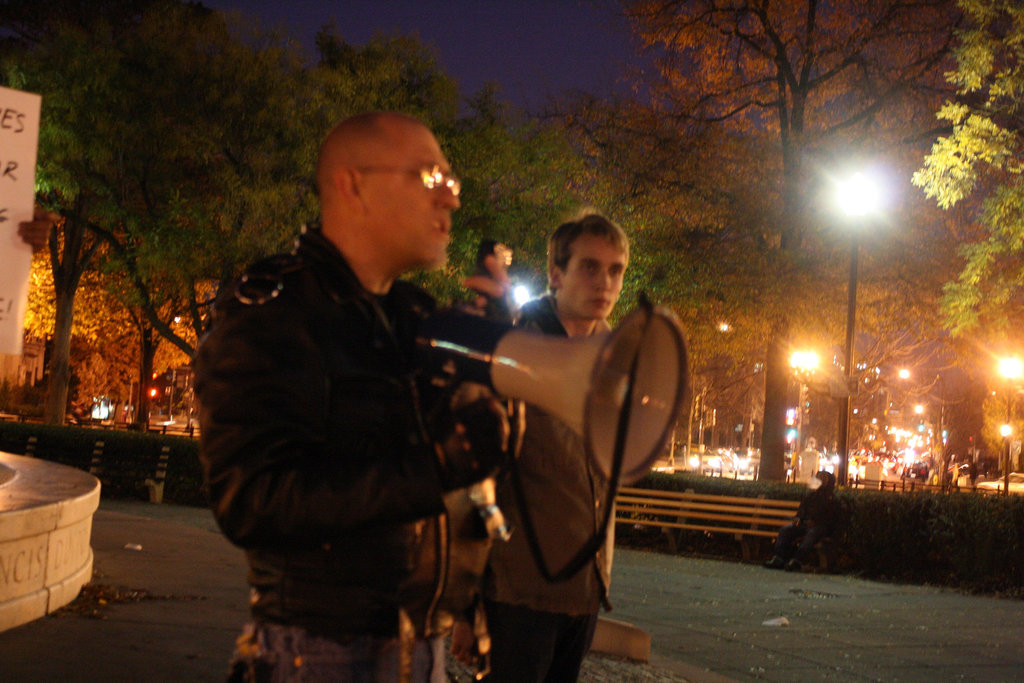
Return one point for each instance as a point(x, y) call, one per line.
point(621, 391)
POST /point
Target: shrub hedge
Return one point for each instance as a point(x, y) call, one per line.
point(963, 540)
point(127, 460)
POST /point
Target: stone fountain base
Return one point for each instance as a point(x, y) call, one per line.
point(45, 524)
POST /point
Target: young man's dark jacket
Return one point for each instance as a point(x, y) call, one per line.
point(314, 447)
point(565, 494)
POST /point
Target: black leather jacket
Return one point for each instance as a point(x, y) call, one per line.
point(314, 447)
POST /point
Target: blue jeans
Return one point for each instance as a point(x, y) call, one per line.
point(275, 653)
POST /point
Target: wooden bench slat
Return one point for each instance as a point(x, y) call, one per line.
point(764, 533)
point(639, 496)
point(697, 508)
point(689, 495)
point(739, 519)
point(745, 518)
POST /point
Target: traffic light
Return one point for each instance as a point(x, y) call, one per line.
point(158, 386)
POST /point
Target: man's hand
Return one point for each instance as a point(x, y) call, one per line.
point(36, 231)
point(476, 444)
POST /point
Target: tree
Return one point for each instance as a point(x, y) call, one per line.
point(811, 79)
point(979, 164)
point(976, 170)
point(520, 180)
point(24, 23)
point(147, 147)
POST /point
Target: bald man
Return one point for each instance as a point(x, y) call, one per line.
point(319, 442)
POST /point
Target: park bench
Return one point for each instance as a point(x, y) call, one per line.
point(126, 467)
point(749, 520)
point(139, 472)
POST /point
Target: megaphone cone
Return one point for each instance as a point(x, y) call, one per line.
point(621, 391)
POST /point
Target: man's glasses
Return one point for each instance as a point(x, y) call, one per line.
point(432, 178)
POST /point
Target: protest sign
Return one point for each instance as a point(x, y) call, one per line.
point(19, 139)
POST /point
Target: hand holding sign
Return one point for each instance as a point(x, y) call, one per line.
point(19, 136)
point(36, 231)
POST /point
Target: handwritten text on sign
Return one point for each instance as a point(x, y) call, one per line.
point(19, 138)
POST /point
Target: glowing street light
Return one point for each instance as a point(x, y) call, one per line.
point(521, 294)
point(904, 373)
point(1011, 368)
point(805, 361)
point(857, 197)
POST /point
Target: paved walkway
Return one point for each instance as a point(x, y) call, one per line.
point(168, 597)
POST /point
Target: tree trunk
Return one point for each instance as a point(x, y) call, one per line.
point(59, 368)
point(69, 257)
point(147, 349)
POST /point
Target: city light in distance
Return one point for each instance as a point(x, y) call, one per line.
point(521, 294)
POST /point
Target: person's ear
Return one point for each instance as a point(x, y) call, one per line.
point(347, 184)
point(555, 276)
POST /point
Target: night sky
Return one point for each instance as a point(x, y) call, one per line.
point(533, 48)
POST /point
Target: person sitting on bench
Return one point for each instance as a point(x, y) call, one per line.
point(817, 517)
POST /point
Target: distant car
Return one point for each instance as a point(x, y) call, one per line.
point(1016, 484)
point(963, 470)
point(919, 470)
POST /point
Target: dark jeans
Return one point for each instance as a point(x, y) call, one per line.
point(529, 646)
point(806, 536)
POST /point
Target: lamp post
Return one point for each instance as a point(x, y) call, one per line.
point(1010, 368)
point(1006, 431)
point(857, 197)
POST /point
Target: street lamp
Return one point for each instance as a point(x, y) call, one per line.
point(1011, 368)
point(857, 197)
point(1006, 431)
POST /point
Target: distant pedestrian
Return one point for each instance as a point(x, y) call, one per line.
point(954, 473)
point(807, 462)
point(818, 516)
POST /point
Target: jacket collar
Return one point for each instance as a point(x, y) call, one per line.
point(542, 315)
point(336, 275)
